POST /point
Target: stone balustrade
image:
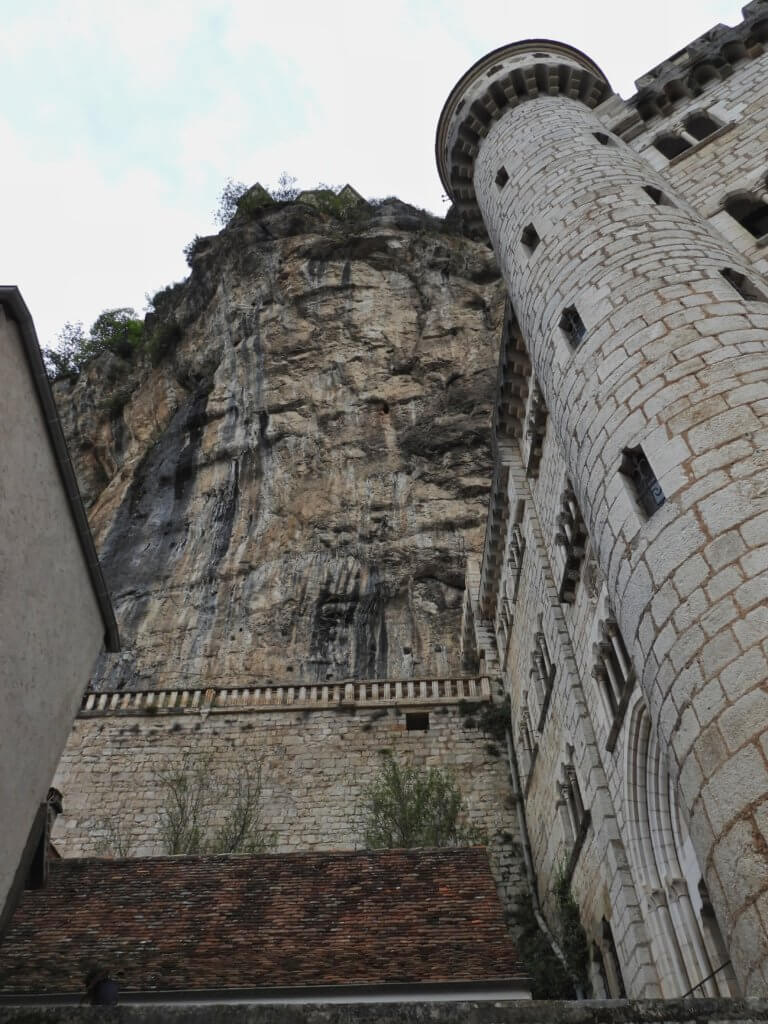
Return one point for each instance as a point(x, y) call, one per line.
point(271, 696)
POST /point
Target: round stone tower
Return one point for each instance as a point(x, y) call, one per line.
point(648, 335)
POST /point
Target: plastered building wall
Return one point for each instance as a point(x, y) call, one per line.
point(316, 766)
point(51, 628)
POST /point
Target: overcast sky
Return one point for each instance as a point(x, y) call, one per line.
point(121, 121)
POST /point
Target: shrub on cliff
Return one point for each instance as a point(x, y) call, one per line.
point(118, 331)
point(408, 807)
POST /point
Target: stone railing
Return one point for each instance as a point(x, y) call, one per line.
point(270, 696)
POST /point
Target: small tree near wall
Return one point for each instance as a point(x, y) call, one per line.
point(408, 807)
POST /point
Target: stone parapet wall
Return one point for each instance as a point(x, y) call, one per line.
point(349, 693)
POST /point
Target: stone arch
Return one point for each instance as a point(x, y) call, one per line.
point(686, 947)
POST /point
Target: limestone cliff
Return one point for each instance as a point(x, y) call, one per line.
point(292, 490)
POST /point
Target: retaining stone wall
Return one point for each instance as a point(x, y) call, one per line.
point(316, 766)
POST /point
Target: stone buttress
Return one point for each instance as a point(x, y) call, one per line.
point(652, 363)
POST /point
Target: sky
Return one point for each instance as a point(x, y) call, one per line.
point(121, 122)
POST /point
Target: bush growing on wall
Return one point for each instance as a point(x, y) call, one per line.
point(202, 812)
point(408, 807)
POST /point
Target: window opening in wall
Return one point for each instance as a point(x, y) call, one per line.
point(572, 535)
point(572, 326)
point(530, 238)
point(502, 177)
point(614, 673)
point(417, 721)
point(701, 125)
point(656, 195)
point(516, 552)
point(637, 469)
point(743, 285)
point(577, 816)
point(602, 138)
point(751, 213)
point(535, 430)
point(611, 962)
point(542, 674)
point(671, 145)
point(529, 748)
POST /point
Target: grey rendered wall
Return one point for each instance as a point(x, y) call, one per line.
point(51, 627)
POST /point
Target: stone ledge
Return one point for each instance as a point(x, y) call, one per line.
point(289, 697)
point(657, 1011)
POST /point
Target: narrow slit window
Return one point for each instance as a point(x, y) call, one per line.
point(671, 145)
point(502, 177)
point(701, 125)
point(751, 213)
point(572, 326)
point(656, 195)
point(637, 469)
point(602, 138)
point(742, 284)
point(530, 238)
point(417, 721)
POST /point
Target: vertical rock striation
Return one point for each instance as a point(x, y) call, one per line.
point(292, 491)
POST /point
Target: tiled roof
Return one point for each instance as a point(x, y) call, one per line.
point(187, 923)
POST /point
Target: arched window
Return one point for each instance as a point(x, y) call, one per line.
point(700, 125)
point(671, 145)
point(750, 212)
point(687, 948)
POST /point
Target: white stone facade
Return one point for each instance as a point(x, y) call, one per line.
point(625, 575)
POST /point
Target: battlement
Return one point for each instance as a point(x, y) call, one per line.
point(710, 59)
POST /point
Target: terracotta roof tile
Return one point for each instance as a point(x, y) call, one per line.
point(190, 923)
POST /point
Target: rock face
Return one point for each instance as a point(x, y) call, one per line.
point(292, 491)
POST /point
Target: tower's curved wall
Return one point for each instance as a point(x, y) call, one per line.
point(675, 360)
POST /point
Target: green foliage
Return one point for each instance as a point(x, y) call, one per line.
point(549, 978)
point(571, 935)
point(206, 813)
point(191, 249)
point(114, 842)
point(69, 356)
point(408, 807)
point(118, 331)
point(238, 198)
point(163, 339)
point(492, 719)
point(231, 195)
point(201, 811)
point(286, 190)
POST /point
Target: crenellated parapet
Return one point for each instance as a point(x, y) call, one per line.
point(711, 58)
point(497, 83)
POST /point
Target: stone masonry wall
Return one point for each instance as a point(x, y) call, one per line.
point(564, 734)
point(316, 765)
point(673, 360)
